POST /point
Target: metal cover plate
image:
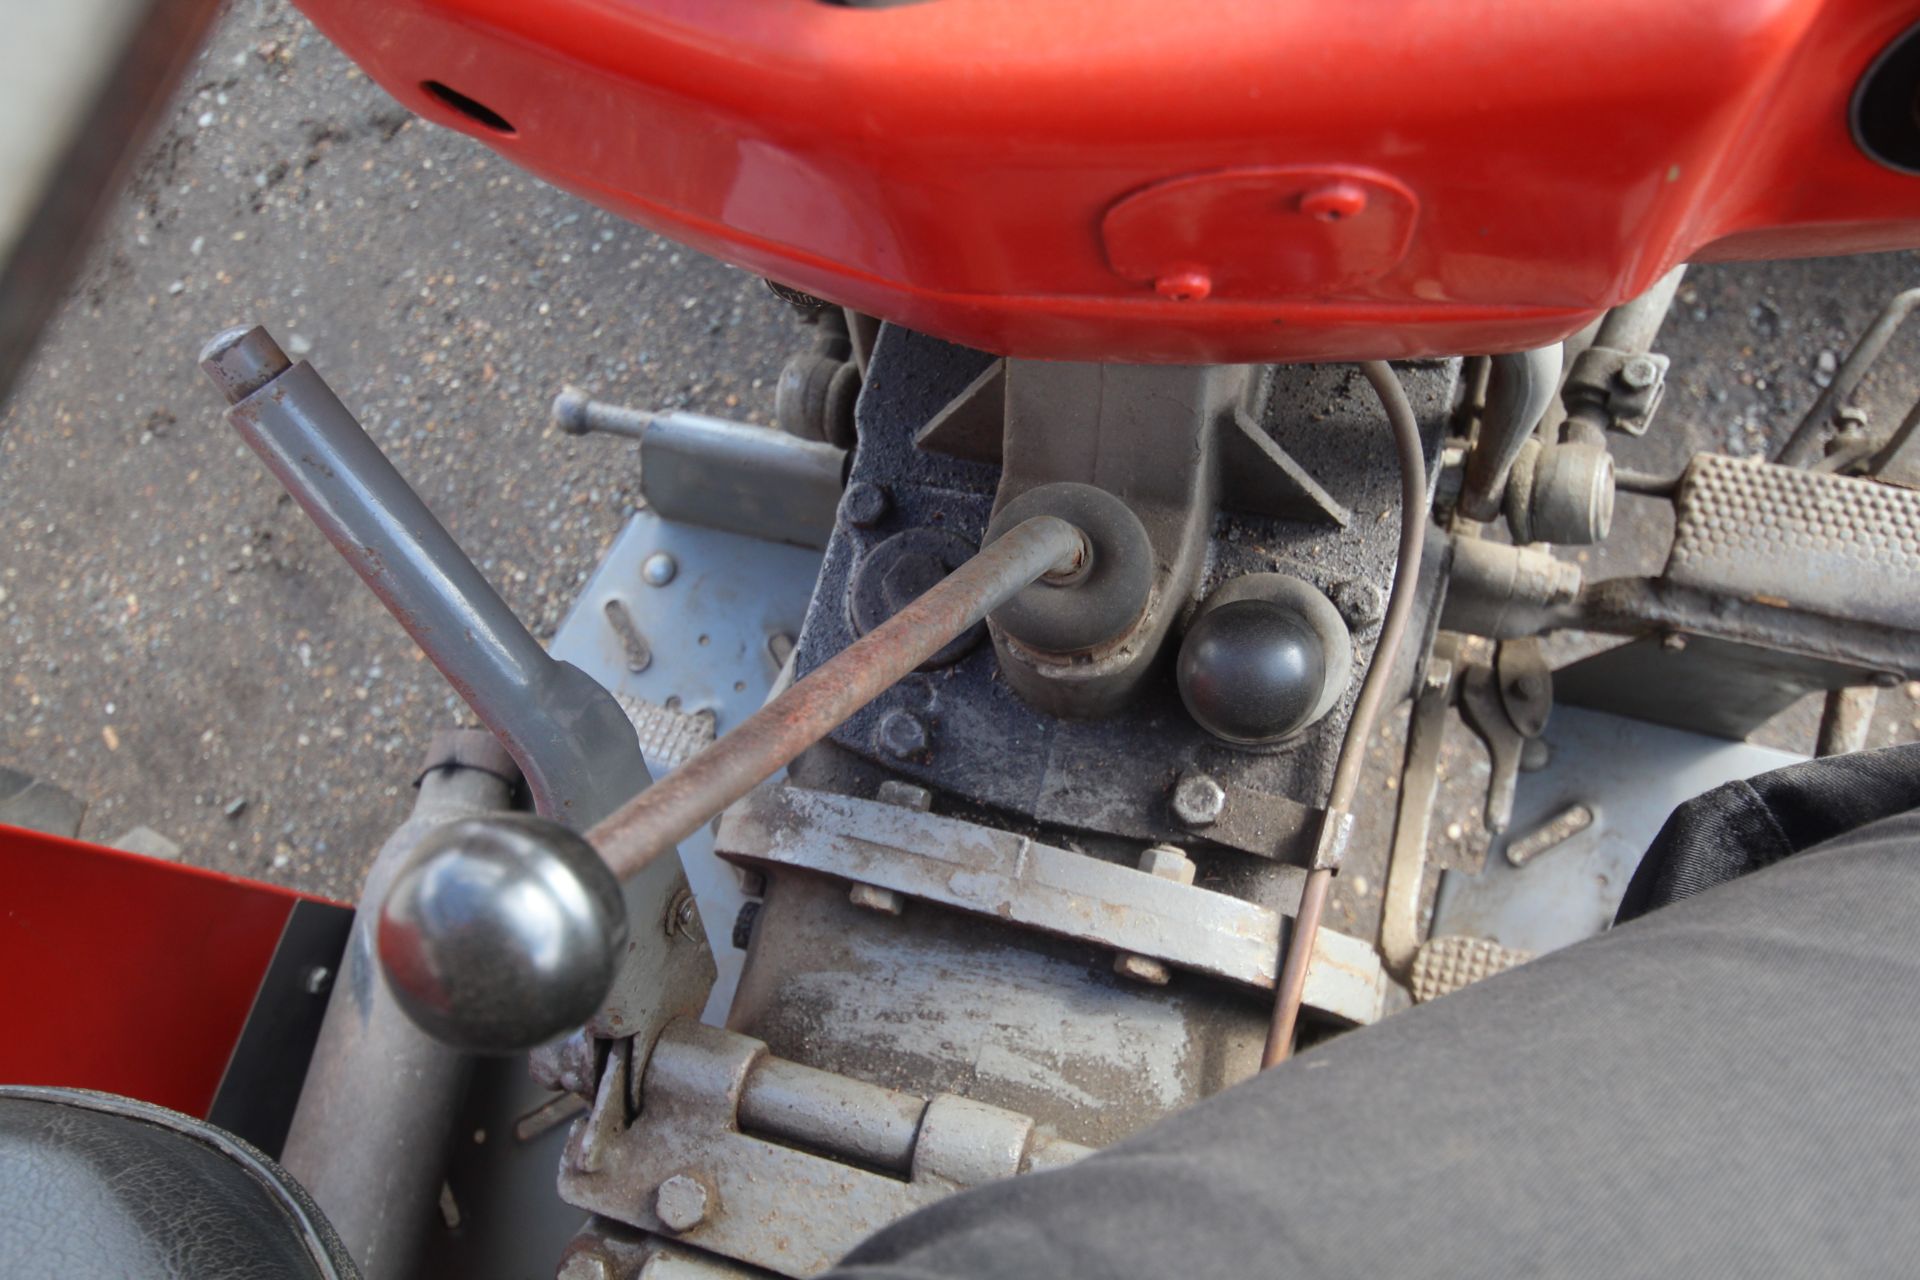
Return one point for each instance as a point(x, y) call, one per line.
point(708, 629)
point(1839, 545)
point(1632, 775)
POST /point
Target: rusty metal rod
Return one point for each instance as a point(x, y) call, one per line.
point(1803, 446)
point(676, 806)
point(1291, 987)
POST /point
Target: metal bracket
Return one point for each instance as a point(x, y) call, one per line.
point(1017, 879)
point(719, 612)
point(1625, 386)
point(1507, 703)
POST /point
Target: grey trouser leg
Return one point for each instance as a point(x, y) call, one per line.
point(1729, 1085)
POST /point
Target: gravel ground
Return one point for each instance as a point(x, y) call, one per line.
point(183, 650)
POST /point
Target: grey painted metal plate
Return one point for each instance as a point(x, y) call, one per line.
point(1632, 775)
point(708, 632)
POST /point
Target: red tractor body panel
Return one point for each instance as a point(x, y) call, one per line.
point(1239, 180)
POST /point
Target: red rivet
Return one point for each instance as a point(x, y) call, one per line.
point(1184, 286)
point(1335, 202)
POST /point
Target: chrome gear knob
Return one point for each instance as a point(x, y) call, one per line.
point(504, 932)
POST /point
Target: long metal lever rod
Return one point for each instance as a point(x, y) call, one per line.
point(570, 738)
point(655, 820)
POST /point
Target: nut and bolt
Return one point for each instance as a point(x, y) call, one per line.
point(1360, 602)
point(1640, 372)
point(902, 735)
point(871, 897)
point(865, 504)
point(1168, 862)
point(658, 569)
point(1198, 800)
point(682, 1202)
point(905, 795)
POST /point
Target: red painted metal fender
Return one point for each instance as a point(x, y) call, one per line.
point(127, 974)
point(1228, 181)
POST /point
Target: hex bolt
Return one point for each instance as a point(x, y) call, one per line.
point(1360, 602)
point(1198, 800)
point(1673, 642)
point(682, 1202)
point(864, 504)
point(1640, 372)
point(658, 569)
point(902, 735)
point(1168, 863)
point(871, 897)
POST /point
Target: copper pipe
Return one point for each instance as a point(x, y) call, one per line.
point(1292, 985)
point(657, 819)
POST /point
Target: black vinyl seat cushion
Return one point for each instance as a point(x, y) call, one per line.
point(103, 1186)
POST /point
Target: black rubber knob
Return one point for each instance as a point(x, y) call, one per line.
point(1252, 671)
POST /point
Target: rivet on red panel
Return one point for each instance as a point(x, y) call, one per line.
point(1334, 202)
point(1184, 286)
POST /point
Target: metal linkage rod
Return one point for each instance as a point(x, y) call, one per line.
point(1292, 985)
point(720, 474)
point(652, 822)
point(1803, 446)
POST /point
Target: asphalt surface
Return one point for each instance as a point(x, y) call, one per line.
point(181, 648)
